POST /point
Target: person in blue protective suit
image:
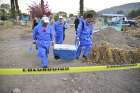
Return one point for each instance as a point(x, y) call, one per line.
point(84, 35)
point(59, 30)
point(43, 35)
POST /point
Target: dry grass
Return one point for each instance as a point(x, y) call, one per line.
point(108, 55)
point(113, 47)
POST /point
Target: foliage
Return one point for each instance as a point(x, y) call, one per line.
point(38, 10)
point(5, 6)
point(4, 11)
point(14, 9)
point(56, 17)
point(90, 12)
point(134, 13)
point(71, 15)
point(62, 13)
point(120, 12)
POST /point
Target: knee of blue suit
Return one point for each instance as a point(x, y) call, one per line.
point(42, 52)
point(87, 50)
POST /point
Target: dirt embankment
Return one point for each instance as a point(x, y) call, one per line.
point(114, 47)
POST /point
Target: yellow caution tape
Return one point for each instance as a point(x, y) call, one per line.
point(24, 71)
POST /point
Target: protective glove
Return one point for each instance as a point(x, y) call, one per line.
point(77, 38)
point(77, 42)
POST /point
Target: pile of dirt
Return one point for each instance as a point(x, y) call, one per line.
point(116, 39)
point(133, 31)
point(113, 47)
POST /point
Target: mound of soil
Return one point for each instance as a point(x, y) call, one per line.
point(113, 47)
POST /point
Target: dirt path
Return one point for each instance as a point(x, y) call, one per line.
point(14, 48)
point(14, 52)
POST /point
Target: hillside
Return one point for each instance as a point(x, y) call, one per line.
point(126, 8)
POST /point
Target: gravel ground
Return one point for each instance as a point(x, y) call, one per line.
point(124, 81)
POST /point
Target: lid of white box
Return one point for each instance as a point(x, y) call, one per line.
point(64, 47)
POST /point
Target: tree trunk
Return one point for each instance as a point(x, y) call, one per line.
point(12, 8)
point(17, 6)
point(81, 7)
point(42, 6)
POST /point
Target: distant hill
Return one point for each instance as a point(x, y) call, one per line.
point(126, 8)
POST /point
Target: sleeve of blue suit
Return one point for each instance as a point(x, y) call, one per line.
point(54, 26)
point(35, 33)
point(35, 30)
point(79, 29)
point(52, 33)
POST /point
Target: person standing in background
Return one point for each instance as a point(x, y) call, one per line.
point(35, 22)
point(59, 30)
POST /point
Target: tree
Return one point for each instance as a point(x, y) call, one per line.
point(81, 7)
point(62, 13)
point(14, 8)
point(17, 6)
point(38, 10)
point(3, 14)
point(134, 13)
point(90, 12)
point(56, 17)
point(4, 10)
point(5, 6)
point(71, 15)
point(42, 6)
point(120, 12)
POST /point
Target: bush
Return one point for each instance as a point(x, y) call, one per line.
point(134, 13)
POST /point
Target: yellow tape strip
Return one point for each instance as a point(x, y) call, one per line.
point(24, 71)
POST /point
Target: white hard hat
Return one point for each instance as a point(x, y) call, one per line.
point(60, 16)
point(45, 19)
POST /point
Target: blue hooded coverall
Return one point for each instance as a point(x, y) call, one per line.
point(43, 40)
point(59, 32)
point(84, 33)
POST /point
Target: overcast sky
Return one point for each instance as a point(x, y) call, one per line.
point(72, 6)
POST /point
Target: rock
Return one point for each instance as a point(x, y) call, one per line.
point(76, 78)
point(79, 88)
point(16, 90)
point(76, 91)
point(72, 80)
point(64, 79)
